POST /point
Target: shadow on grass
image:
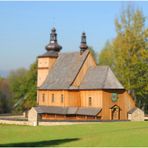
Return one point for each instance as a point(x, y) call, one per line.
point(40, 143)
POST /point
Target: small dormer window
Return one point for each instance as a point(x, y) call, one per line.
point(89, 101)
point(52, 98)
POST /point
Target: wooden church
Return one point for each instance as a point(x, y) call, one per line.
point(70, 86)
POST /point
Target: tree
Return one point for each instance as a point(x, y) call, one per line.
point(23, 88)
point(106, 56)
point(31, 95)
point(141, 85)
point(130, 54)
point(5, 102)
point(17, 81)
point(1, 78)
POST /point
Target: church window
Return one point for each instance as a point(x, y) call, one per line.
point(43, 97)
point(52, 99)
point(89, 101)
point(62, 98)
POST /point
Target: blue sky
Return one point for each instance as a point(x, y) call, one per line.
point(25, 27)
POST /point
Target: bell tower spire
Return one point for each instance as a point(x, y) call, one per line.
point(47, 60)
point(83, 45)
point(53, 44)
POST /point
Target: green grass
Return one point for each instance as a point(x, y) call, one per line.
point(94, 134)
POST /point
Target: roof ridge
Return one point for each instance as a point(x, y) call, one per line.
point(80, 68)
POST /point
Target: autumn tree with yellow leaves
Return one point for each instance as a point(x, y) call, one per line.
point(127, 54)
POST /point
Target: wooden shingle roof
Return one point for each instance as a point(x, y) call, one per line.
point(64, 70)
point(100, 77)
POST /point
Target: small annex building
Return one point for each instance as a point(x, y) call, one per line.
point(71, 86)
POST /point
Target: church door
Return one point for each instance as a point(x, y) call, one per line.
point(115, 113)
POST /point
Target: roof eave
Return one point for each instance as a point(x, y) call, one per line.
point(80, 89)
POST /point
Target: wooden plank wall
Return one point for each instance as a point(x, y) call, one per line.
point(44, 65)
point(71, 98)
point(96, 96)
point(67, 117)
point(74, 98)
point(123, 100)
point(48, 98)
point(101, 99)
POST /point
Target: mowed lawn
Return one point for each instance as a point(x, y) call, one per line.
point(93, 134)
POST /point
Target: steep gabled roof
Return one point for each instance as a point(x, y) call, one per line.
point(100, 77)
point(64, 70)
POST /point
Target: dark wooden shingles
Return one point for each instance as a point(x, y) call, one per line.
point(100, 77)
point(90, 111)
point(64, 71)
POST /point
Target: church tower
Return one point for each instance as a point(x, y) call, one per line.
point(47, 60)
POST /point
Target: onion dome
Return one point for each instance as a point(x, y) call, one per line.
point(53, 44)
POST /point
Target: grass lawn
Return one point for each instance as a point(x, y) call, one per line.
point(93, 134)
